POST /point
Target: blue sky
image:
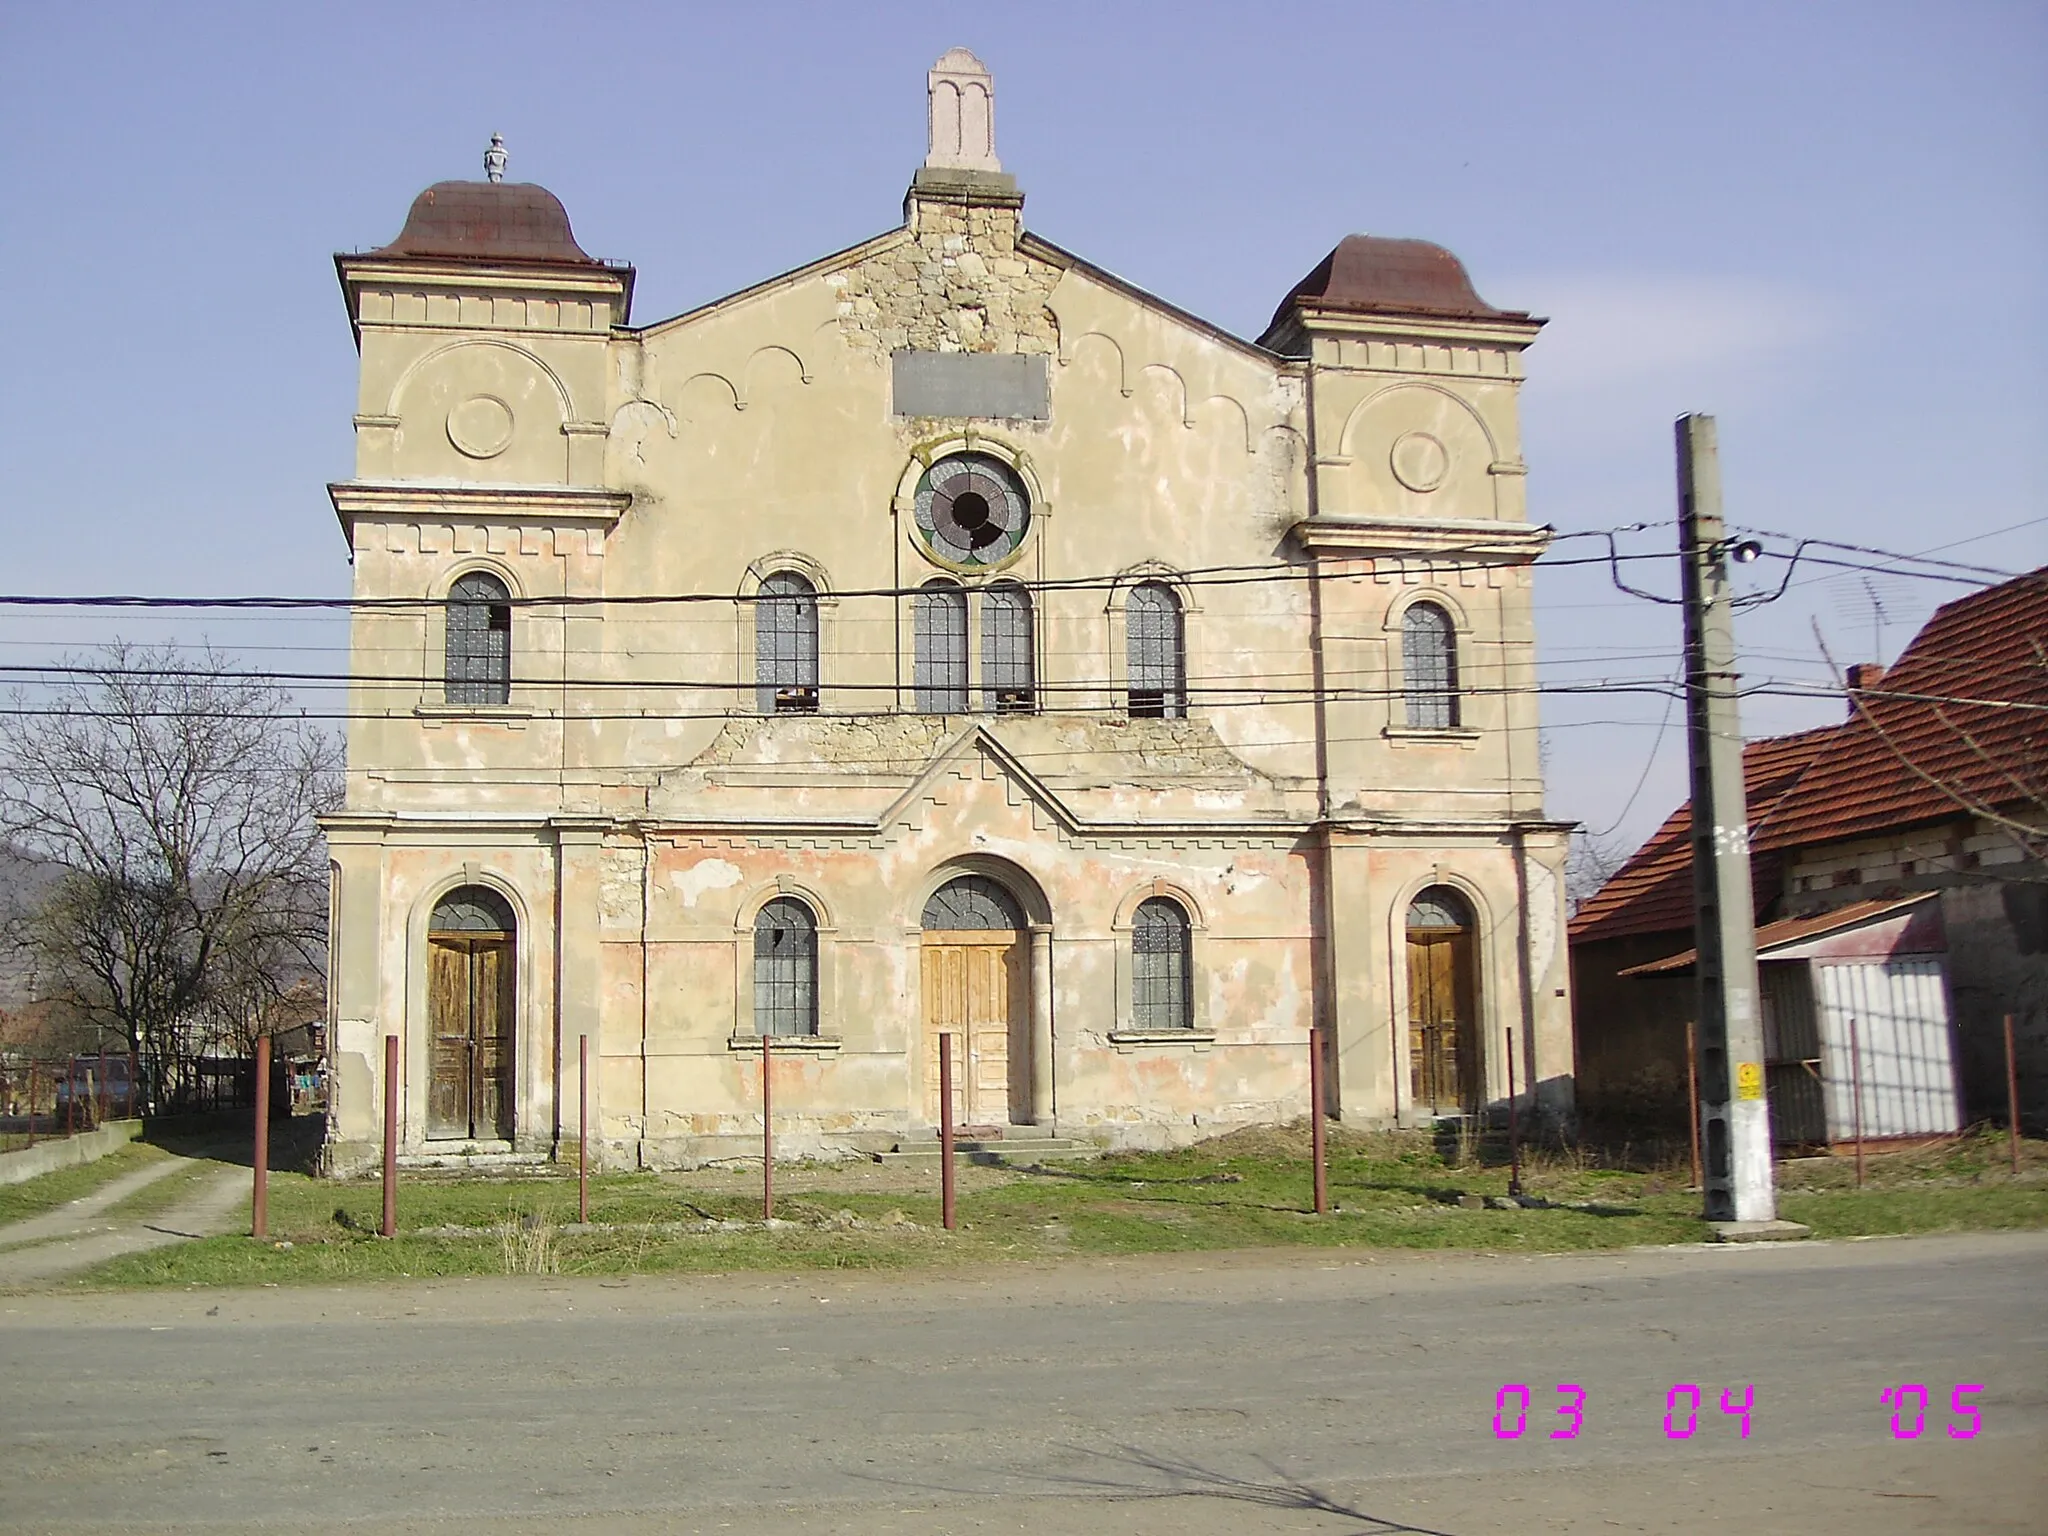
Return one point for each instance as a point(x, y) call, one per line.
point(1827, 224)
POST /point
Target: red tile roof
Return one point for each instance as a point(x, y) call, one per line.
point(1652, 892)
point(1916, 750)
point(1860, 777)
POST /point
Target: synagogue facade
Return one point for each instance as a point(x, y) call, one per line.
point(945, 637)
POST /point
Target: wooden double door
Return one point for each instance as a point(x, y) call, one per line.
point(470, 998)
point(977, 988)
point(1443, 1055)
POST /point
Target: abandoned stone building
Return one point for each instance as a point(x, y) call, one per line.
point(945, 636)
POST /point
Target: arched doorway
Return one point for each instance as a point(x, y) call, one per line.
point(471, 997)
point(1443, 1004)
point(977, 988)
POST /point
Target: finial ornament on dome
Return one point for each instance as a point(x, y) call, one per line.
point(961, 103)
point(494, 158)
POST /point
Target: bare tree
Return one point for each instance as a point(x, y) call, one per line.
point(173, 797)
point(1590, 864)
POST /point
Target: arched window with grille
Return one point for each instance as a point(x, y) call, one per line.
point(940, 667)
point(786, 645)
point(1008, 678)
point(1162, 966)
point(1429, 667)
point(785, 968)
point(1155, 646)
point(479, 669)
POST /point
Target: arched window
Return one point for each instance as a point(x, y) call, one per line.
point(940, 669)
point(1008, 684)
point(1429, 667)
point(1162, 967)
point(786, 645)
point(479, 640)
point(1156, 653)
point(972, 903)
point(785, 969)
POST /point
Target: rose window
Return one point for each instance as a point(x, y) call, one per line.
point(972, 510)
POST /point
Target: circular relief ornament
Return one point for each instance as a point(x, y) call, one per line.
point(481, 427)
point(972, 510)
point(1420, 462)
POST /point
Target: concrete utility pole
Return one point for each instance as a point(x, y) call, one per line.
point(1731, 1048)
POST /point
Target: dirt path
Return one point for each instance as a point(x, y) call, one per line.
point(79, 1235)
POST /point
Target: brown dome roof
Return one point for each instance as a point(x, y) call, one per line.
point(1372, 275)
point(489, 221)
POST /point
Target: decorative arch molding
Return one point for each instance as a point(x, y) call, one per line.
point(1344, 438)
point(783, 885)
point(1023, 886)
point(794, 561)
point(1443, 597)
point(1475, 898)
point(420, 365)
point(742, 397)
point(1069, 350)
point(1171, 890)
point(465, 565)
point(420, 920)
point(732, 390)
point(1146, 571)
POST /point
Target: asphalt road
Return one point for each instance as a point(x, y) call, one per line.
point(1188, 1395)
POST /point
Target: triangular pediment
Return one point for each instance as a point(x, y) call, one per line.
point(971, 767)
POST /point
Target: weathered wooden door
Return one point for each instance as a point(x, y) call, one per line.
point(975, 987)
point(470, 1011)
point(1442, 1064)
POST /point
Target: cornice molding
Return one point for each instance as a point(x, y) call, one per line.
point(414, 501)
point(1517, 543)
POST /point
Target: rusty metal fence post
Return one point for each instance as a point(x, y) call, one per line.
point(1319, 1179)
point(259, 1196)
point(2012, 1098)
point(389, 1226)
point(1514, 1125)
point(583, 1129)
point(947, 1214)
point(767, 1128)
point(1856, 1094)
point(32, 1086)
point(104, 1095)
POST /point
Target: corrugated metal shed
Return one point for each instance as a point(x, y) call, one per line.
point(1855, 1004)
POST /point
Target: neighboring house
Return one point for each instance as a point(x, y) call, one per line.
point(1914, 832)
point(945, 636)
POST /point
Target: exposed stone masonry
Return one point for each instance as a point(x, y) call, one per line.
point(957, 284)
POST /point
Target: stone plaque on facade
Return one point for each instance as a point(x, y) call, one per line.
point(987, 384)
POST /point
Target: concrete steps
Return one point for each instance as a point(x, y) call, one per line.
point(1018, 1149)
point(474, 1157)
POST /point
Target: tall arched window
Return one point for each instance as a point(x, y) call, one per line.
point(940, 667)
point(786, 645)
point(785, 969)
point(1429, 667)
point(1162, 967)
point(479, 640)
point(1156, 653)
point(1008, 683)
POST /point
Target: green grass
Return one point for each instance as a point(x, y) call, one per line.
point(1246, 1191)
point(21, 1201)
